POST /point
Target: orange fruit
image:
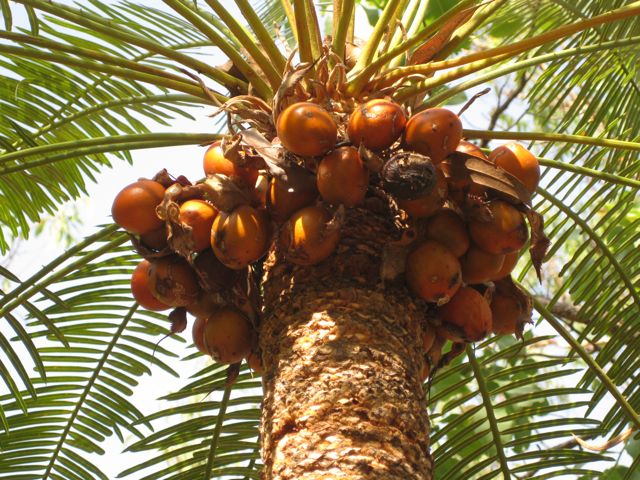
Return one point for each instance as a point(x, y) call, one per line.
point(306, 129)
point(448, 228)
point(342, 178)
point(377, 124)
point(286, 195)
point(173, 281)
point(433, 272)
point(199, 215)
point(479, 266)
point(510, 262)
point(140, 288)
point(134, 208)
point(506, 232)
point(228, 335)
point(215, 162)
point(427, 205)
point(435, 132)
point(519, 162)
point(467, 313)
point(471, 149)
point(305, 238)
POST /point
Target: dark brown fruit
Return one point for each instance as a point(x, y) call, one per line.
point(433, 272)
point(307, 238)
point(467, 314)
point(286, 195)
point(134, 208)
point(241, 237)
point(173, 281)
point(377, 124)
point(214, 276)
point(140, 289)
point(435, 132)
point(427, 205)
point(215, 162)
point(506, 232)
point(342, 177)
point(479, 266)
point(507, 313)
point(448, 228)
point(307, 129)
point(155, 239)
point(199, 215)
point(228, 336)
point(519, 162)
point(255, 363)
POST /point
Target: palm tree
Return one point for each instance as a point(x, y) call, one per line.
point(342, 354)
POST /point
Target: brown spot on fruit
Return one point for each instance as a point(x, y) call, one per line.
point(342, 177)
point(377, 124)
point(433, 272)
point(435, 132)
point(469, 313)
point(134, 208)
point(241, 237)
point(479, 266)
point(198, 215)
point(140, 288)
point(308, 238)
point(173, 281)
point(505, 232)
point(448, 228)
point(307, 129)
point(228, 336)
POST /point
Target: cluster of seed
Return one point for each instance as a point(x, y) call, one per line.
point(467, 236)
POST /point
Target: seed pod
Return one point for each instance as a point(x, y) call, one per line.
point(467, 315)
point(140, 288)
point(519, 162)
point(198, 215)
point(479, 266)
point(308, 237)
point(448, 228)
point(342, 178)
point(409, 176)
point(433, 272)
point(295, 191)
point(427, 205)
point(228, 336)
point(505, 232)
point(215, 162)
point(173, 281)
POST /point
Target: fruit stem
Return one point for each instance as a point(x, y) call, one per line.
point(288, 10)
point(301, 22)
point(340, 35)
point(479, 80)
point(591, 363)
point(314, 29)
point(552, 137)
point(630, 10)
point(491, 415)
point(414, 18)
point(230, 51)
point(107, 27)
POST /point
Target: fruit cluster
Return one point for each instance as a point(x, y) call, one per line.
point(285, 185)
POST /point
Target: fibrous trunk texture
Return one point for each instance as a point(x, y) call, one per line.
point(342, 357)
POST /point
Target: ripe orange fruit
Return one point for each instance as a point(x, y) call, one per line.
point(342, 177)
point(199, 215)
point(305, 238)
point(435, 132)
point(449, 229)
point(479, 266)
point(306, 129)
point(468, 313)
point(427, 205)
point(215, 162)
point(140, 288)
point(471, 149)
point(506, 232)
point(228, 335)
point(519, 162)
point(286, 195)
point(134, 208)
point(214, 276)
point(240, 237)
point(255, 363)
point(433, 272)
point(377, 124)
point(173, 281)
point(510, 261)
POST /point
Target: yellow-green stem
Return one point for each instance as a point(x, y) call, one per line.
point(304, 38)
point(340, 35)
point(370, 48)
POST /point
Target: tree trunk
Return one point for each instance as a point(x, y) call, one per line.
point(342, 357)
